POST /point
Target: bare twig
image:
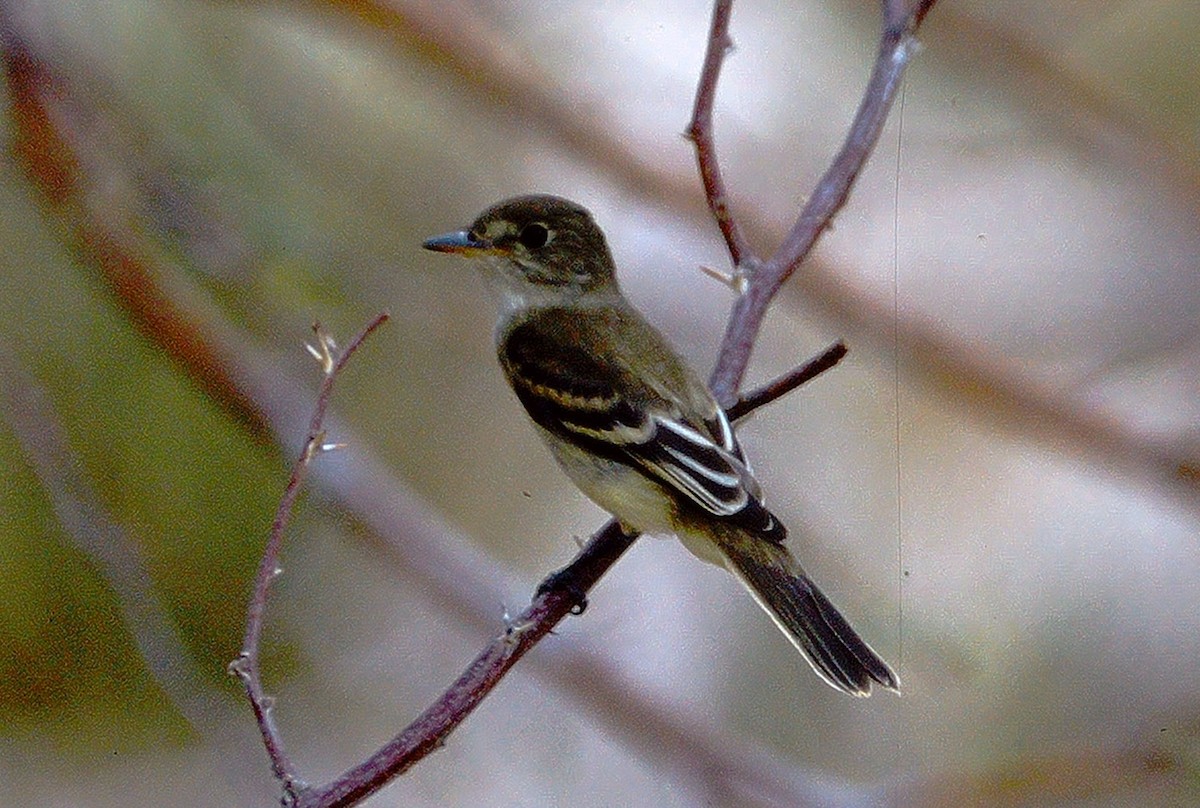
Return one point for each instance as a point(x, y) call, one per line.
point(700, 132)
point(895, 50)
point(452, 573)
point(780, 387)
point(246, 666)
point(558, 596)
point(1112, 439)
point(430, 730)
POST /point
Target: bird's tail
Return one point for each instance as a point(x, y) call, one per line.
point(810, 621)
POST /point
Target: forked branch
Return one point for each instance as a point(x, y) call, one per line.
point(763, 278)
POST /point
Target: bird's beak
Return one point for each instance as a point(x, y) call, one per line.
point(460, 242)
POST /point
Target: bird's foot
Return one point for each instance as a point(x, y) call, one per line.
point(564, 581)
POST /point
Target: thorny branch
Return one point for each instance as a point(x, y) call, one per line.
point(60, 162)
point(1092, 433)
point(246, 665)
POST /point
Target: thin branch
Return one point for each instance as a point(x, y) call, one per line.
point(780, 387)
point(246, 666)
point(430, 730)
point(700, 132)
point(1100, 436)
point(895, 50)
point(546, 611)
point(419, 546)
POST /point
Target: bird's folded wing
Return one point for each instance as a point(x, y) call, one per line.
point(598, 401)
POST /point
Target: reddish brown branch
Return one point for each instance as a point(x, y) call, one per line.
point(780, 387)
point(246, 666)
point(700, 132)
point(547, 609)
point(405, 531)
point(557, 597)
point(430, 729)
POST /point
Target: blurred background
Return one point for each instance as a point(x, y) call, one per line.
point(999, 485)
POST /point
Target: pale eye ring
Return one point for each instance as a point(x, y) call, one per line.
point(534, 236)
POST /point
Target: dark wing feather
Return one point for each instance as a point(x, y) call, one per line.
point(668, 427)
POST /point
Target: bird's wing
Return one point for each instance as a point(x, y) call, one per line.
point(659, 419)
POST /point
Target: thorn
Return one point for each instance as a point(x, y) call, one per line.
point(325, 351)
point(328, 339)
point(331, 447)
point(736, 280)
point(314, 445)
point(512, 628)
point(240, 666)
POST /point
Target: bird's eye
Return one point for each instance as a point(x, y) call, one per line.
point(533, 236)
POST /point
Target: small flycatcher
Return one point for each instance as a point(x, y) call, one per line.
point(634, 427)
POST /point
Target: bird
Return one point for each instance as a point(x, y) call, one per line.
point(634, 427)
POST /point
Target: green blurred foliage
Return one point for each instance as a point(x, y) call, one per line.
point(191, 489)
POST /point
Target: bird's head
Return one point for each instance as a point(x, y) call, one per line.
point(539, 244)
